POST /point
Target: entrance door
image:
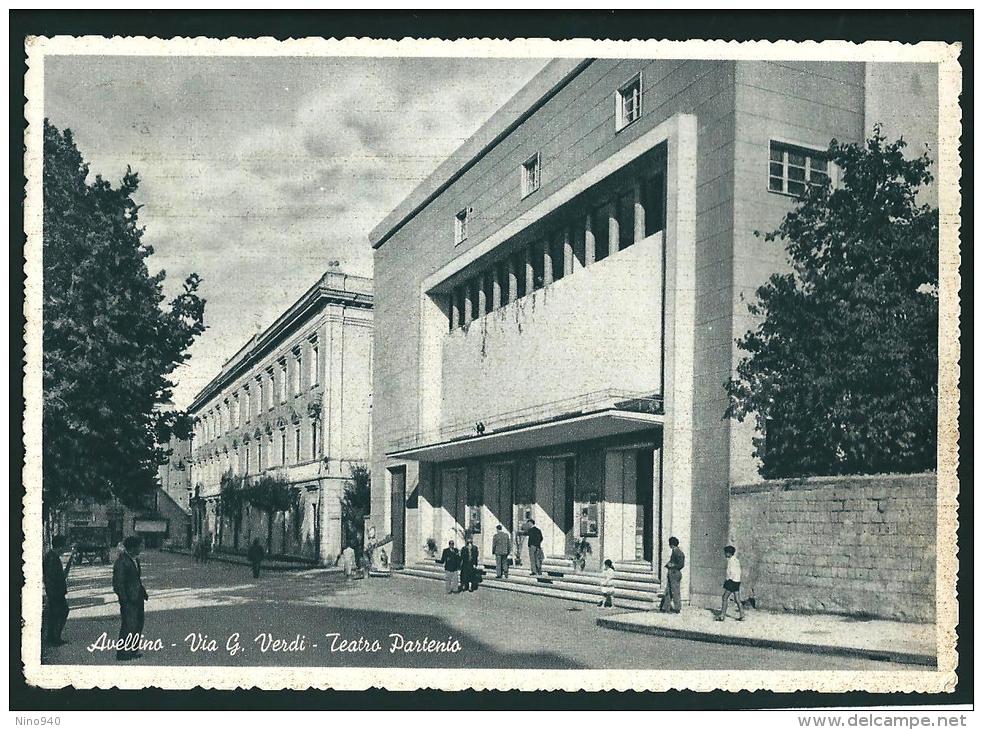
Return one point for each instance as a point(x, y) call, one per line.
point(398, 484)
point(645, 493)
point(453, 498)
point(554, 496)
point(628, 511)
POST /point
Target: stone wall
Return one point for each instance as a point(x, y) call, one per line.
point(856, 545)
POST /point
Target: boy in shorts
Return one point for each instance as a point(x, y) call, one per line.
point(732, 584)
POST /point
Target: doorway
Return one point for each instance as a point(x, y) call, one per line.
point(397, 481)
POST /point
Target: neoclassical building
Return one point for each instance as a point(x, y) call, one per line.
point(557, 304)
point(295, 402)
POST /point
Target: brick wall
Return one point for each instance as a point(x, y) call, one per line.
point(858, 545)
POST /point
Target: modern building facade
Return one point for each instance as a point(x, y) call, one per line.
point(557, 305)
point(294, 402)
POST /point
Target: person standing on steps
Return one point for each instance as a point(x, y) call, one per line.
point(672, 599)
point(129, 589)
point(469, 565)
point(607, 585)
point(535, 537)
point(732, 584)
point(501, 547)
point(451, 558)
point(256, 555)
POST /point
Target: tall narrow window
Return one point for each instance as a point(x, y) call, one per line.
point(315, 362)
point(628, 102)
point(530, 175)
point(283, 379)
point(236, 414)
point(461, 226)
point(271, 389)
point(298, 363)
point(283, 446)
point(315, 445)
point(247, 461)
point(259, 454)
point(297, 444)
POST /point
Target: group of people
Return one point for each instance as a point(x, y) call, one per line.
point(461, 570)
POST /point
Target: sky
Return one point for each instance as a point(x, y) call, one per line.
point(257, 173)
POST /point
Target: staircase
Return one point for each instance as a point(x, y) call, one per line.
point(635, 586)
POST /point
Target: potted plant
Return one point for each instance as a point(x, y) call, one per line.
point(581, 549)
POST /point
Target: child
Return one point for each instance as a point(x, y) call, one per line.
point(607, 585)
point(732, 584)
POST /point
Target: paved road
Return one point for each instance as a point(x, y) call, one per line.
point(493, 628)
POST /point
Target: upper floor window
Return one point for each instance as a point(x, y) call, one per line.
point(792, 168)
point(315, 362)
point(530, 175)
point(628, 102)
point(461, 226)
point(298, 366)
point(283, 379)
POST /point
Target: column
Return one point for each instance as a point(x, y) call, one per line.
point(513, 280)
point(547, 262)
point(482, 296)
point(530, 275)
point(568, 258)
point(589, 250)
point(614, 231)
point(455, 310)
point(496, 289)
point(469, 315)
point(639, 212)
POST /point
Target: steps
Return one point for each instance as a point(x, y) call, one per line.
point(633, 588)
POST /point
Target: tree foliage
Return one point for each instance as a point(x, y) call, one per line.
point(270, 494)
point(110, 343)
point(841, 372)
point(233, 490)
point(356, 501)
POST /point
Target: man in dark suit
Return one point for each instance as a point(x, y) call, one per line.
point(535, 538)
point(672, 598)
point(501, 547)
point(469, 565)
point(131, 594)
point(451, 558)
point(55, 591)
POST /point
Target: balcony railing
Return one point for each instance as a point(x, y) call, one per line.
point(597, 401)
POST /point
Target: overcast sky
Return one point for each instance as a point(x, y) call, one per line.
point(257, 172)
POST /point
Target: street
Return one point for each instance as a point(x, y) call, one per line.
point(216, 614)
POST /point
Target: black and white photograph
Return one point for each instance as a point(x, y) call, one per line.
point(491, 364)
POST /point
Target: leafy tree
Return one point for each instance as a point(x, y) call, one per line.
point(109, 343)
point(841, 373)
point(270, 495)
point(233, 492)
point(356, 503)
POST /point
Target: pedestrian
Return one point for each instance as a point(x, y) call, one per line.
point(535, 538)
point(672, 598)
point(469, 565)
point(196, 550)
point(347, 559)
point(732, 584)
point(55, 579)
point(451, 559)
point(206, 547)
point(501, 547)
point(256, 555)
point(607, 585)
point(131, 594)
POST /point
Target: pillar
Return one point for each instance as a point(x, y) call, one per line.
point(589, 247)
point(639, 213)
point(614, 231)
point(547, 263)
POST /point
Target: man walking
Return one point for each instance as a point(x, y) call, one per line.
point(501, 547)
point(672, 598)
point(451, 559)
point(131, 594)
point(469, 565)
point(55, 579)
point(535, 537)
point(256, 555)
point(732, 584)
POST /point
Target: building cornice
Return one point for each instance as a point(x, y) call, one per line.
point(331, 289)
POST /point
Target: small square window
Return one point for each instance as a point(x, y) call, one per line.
point(530, 175)
point(792, 169)
point(628, 102)
point(461, 226)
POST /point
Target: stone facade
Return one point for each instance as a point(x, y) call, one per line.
point(856, 545)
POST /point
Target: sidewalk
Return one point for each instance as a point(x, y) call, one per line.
point(268, 564)
point(905, 643)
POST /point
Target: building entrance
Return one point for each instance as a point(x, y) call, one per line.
point(449, 518)
point(555, 487)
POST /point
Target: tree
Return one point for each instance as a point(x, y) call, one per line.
point(233, 499)
point(356, 503)
point(841, 373)
point(270, 495)
point(109, 344)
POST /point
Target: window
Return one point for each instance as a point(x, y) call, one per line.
point(792, 168)
point(271, 385)
point(283, 447)
point(259, 454)
point(461, 226)
point(245, 404)
point(282, 362)
point(530, 175)
point(298, 369)
point(260, 395)
point(315, 427)
point(628, 102)
point(247, 461)
point(315, 362)
point(235, 410)
point(297, 444)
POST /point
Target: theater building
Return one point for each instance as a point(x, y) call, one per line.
point(557, 304)
point(293, 402)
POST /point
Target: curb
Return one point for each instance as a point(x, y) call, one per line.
point(889, 655)
point(231, 560)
